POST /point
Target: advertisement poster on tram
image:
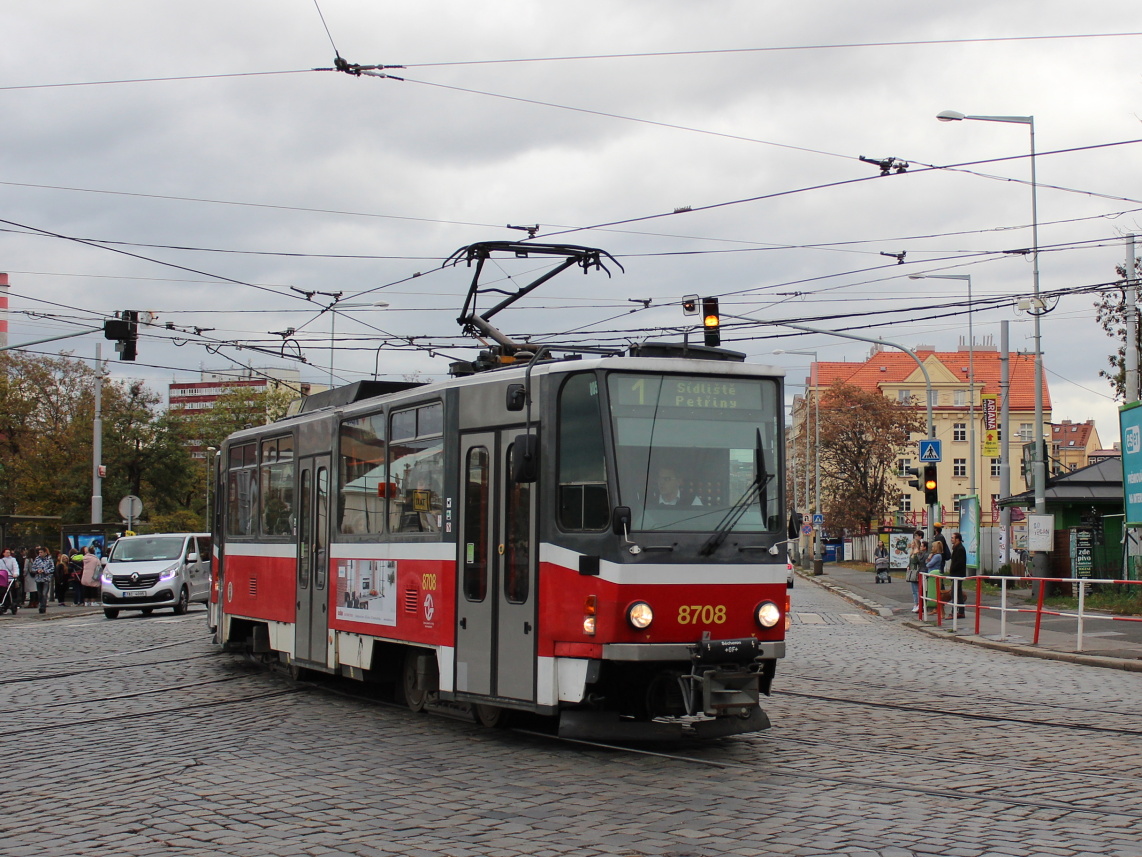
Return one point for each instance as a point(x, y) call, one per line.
point(969, 528)
point(366, 591)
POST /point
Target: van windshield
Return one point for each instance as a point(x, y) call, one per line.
point(147, 549)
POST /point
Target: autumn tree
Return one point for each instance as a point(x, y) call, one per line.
point(1110, 311)
point(862, 434)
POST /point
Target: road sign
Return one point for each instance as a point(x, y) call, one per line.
point(807, 529)
point(930, 451)
point(130, 507)
point(818, 519)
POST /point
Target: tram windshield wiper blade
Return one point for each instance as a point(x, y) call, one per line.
point(758, 490)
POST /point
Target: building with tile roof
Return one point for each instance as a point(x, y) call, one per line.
point(896, 375)
point(1072, 445)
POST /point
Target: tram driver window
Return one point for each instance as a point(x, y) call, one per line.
point(583, 498)
point(416, 469)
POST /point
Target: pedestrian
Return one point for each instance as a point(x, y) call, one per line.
point(30, 578)
point(62, 578)
point(917, 556)
point(938, 536)
point(11, 569)
point(43, 568)
point(935, 568)
point(958, 569)
point(90, 577)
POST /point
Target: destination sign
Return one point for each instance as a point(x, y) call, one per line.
point(683, 391)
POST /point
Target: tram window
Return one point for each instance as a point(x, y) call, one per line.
point(277, 486)
point(321, 522)
point(241, 490)
point(583, 497)
point(476, 495)
point(517, 538)
point(305, 530)
point(361, 502)
point(416, 470)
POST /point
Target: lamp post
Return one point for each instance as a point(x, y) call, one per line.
point(1039, 470)
point(333, 307)
point(971, 373)
point(818, 555)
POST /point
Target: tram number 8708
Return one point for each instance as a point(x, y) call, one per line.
point(702, 614)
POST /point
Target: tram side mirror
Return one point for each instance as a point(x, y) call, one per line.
point(525, 458)
point(516, 397)
point(620, 520)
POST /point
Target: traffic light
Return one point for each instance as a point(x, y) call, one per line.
point(711, 321)
point(690, 305)
point(914, 471)
point(931, 488)
point(124, 329)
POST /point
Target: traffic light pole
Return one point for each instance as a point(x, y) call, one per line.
point(51, 339)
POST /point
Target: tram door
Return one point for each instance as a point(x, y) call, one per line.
point(496, 610)
point(312, 626)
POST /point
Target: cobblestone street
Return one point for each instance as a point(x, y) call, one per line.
point(137, 737)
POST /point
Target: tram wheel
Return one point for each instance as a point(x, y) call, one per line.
point(491, 716)
point(416, 698)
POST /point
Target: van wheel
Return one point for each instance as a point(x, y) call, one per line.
point(110, 614)
point(183, 602)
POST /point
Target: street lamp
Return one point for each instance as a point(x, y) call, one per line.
point(971, 372)
point(1039, 466)
point(333, 307)
point(817, 551)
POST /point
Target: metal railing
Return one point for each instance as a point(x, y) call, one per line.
point(948, 594)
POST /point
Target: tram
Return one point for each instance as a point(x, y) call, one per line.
point(597, 538)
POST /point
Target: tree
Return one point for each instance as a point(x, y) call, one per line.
point(1110, 311)
point(862, 435)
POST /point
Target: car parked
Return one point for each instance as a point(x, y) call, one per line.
point(149, 572)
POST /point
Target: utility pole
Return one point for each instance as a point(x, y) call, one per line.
point(1005, 436)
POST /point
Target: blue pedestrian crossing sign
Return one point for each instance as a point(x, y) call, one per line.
point(818, 519)
point(930, 451)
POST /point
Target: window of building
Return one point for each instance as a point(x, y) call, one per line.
point(242, 490)
point(1026, 431)
point(363, 487)
point(583, 500)
point(277, 486)
point(959, 467)
point(416, 469)
point(904, 396)
point(960, 398)
point(995, 465)
point(960, 431)
point(902, 467)
point(934, 398)
point(905, 504)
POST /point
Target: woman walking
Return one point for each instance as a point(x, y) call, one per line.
point(90, 578)
point(917, 557)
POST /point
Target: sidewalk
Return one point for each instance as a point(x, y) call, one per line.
point(1106, 642)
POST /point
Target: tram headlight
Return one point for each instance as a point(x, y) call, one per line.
point(590, 608)
point(639, 615)
point(768, 614)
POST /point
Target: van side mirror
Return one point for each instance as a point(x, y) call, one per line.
point(525, 458)
point(192, 557)
point(620, 520)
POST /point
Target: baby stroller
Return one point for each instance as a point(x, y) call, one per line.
point(880, 563)
point(9, 591)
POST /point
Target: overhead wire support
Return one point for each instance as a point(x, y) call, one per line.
point(356, 69)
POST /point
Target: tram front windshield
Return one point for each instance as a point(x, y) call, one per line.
point(695, 453)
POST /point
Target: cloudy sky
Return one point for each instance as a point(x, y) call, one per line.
point(187, 159)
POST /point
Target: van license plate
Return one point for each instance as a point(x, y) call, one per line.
point(135, 594)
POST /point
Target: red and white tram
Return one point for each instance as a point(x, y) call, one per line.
point(595, 539)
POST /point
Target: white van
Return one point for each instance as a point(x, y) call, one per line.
point(164, 570)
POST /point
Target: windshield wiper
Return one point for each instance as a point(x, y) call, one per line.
point(757, 490)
